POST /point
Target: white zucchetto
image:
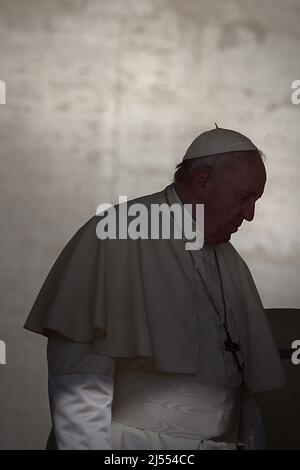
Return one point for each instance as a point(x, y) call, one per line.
point(218, 141)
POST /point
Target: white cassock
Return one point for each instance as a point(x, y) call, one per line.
point(142, 386)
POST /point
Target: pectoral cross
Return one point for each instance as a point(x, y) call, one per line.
point(233, 347)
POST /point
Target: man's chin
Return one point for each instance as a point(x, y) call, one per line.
point(218, 239)
point(224, 238)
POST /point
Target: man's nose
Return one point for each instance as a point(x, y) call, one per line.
point(249, 211)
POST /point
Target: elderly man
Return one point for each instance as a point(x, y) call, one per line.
point(151, 345)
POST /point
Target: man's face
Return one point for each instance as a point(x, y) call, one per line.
point(230, 197)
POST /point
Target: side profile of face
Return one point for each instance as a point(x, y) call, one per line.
point(229, 194)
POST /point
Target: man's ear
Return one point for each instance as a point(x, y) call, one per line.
point(202, 176)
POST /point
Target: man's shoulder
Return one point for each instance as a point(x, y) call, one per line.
point(147, 199)
point(88, 230)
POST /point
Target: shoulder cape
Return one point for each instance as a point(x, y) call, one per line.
point(133, 298)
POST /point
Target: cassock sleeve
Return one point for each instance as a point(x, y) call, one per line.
point(81, 385)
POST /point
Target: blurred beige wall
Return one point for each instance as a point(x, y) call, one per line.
point(103, 98)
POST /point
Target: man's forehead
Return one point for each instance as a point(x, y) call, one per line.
point(246, 156)
point(252, 183)
point(250, 162)
point(248, 175)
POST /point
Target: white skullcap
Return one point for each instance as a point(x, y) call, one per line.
point(218, 141)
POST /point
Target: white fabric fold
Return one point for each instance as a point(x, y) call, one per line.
point(96, 405)
point(80, 407)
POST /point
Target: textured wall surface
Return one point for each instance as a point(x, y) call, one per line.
point(103, 98)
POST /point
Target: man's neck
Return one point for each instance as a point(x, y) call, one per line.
point(178, 195)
